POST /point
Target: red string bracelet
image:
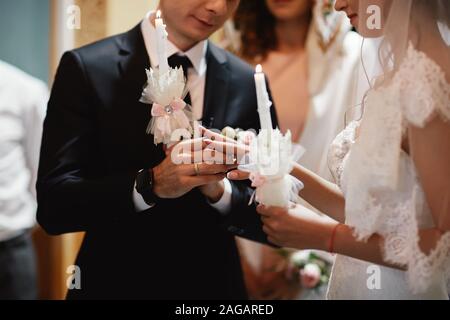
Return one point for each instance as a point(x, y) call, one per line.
point(333, 236)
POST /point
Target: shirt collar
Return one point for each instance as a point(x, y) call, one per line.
point(197, 54)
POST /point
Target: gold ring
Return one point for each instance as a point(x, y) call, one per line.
point(197, 169)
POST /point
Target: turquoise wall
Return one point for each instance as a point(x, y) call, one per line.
point(24, 35)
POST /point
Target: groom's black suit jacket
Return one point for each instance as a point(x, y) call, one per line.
point(93, 145)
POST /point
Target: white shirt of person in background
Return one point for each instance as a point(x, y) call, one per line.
point(23, 101)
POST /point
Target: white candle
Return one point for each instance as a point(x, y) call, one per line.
point(264, 102)
point(161, 42)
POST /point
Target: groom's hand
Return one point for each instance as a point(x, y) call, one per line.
point(213, 191)
point(173, 180)
point(229, 147)
point(226, 150)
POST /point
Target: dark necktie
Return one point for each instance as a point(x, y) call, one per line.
point(182, 61)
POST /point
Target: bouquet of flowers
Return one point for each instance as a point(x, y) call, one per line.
point(299, 275)
point(310, 269)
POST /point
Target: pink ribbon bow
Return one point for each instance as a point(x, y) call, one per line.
point(166, 119)
point(257, 181)
point(161, 111)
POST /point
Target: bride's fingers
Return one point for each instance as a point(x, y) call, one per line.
point(213, 156)
point(208, 156)
point(262, 210)
point(238, 175)
point(266, 211)
point(238, 150)
point(265, 218)
point(271, 211)
point(215, 136)
point(188, 146)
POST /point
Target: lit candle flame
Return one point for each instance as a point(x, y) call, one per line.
point(259, 68)
point(158, 14)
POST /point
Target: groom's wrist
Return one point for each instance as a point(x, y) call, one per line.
point(214, 191)
point(145, 186)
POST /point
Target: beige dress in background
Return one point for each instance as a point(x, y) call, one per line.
point(312, 101)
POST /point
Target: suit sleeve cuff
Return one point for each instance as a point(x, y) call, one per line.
point(139, 203)
point(224, 204)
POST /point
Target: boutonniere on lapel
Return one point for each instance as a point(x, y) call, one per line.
point(165, 90)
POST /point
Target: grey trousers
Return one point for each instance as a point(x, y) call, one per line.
point(18, 269)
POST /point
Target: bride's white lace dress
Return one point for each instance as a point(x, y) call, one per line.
point(382, 190)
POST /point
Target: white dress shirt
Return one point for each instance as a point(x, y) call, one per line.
point(23, 101)
point(196, 85)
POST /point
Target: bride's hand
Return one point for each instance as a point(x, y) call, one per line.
point(232, 149)
point(297, 227)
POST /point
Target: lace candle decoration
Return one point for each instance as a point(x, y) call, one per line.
point(270, 158)
point(165, 90)
point(270, 165)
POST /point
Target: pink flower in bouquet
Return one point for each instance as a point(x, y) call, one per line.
point(310, 275)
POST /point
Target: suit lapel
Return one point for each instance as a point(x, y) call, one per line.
point(216, 88)
point(133, 58)
point(132, 62)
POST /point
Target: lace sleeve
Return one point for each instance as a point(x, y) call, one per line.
point(424, 93)
point(397, 214)
point(424, 269)
point(405, 213)
point(383, 193)
point(424, 89)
